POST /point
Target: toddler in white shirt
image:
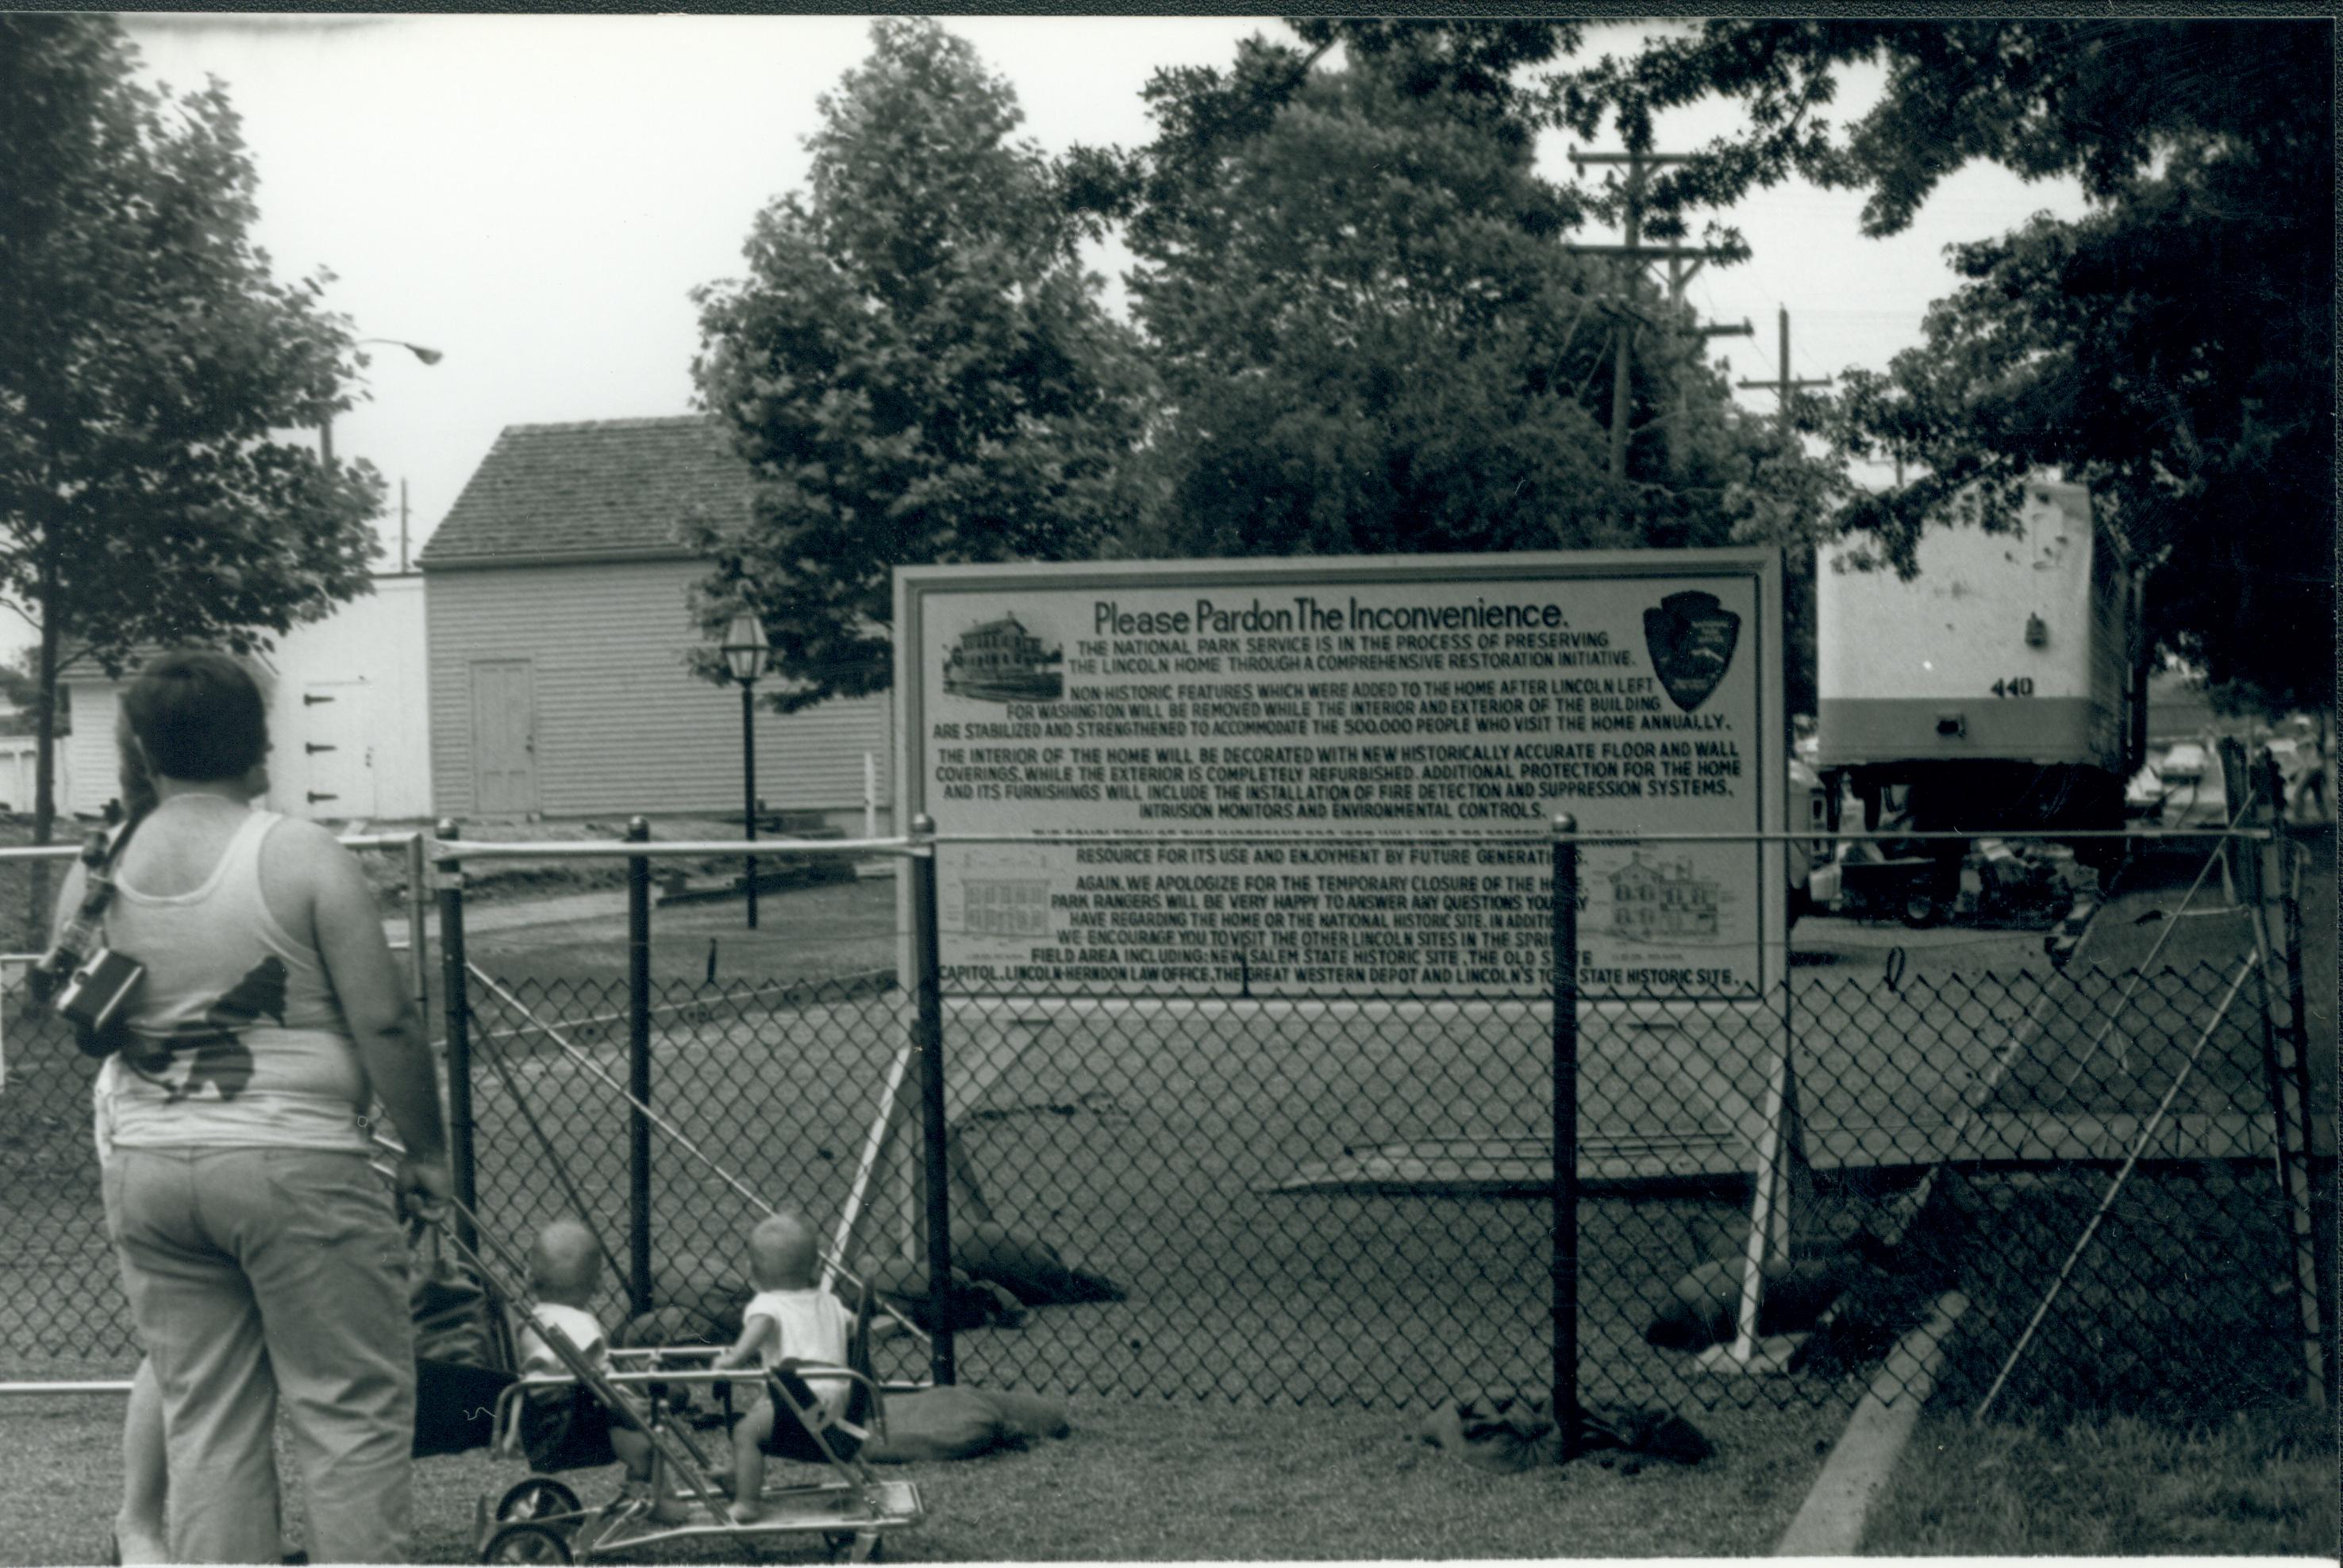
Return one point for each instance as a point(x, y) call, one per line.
point(566, 1427)
point(790, 1317)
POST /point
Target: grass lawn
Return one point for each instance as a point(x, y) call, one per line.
point(2261, 1482)
point(2173, 1425)
point(1150, 1481)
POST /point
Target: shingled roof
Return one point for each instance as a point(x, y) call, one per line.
point(607, 489)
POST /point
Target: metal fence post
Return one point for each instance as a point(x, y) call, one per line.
point(418, 913)
point(929, 1032)
point(639, 1070)
point(1565, 1133)
point(2237, 779)
point(2314, 1299)
point(457, 998)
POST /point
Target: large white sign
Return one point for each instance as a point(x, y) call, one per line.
point(1300, 752)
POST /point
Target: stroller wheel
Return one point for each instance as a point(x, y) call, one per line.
point(527, 1543)
point(1921, 909)
point(535, 1498)
point(852, 1546)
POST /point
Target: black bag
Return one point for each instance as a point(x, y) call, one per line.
point(80, 979)
point(463, 1359)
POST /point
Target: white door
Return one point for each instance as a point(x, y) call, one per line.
point(337, 763)
point(504, 738)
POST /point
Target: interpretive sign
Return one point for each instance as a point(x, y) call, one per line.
point(1337, 776)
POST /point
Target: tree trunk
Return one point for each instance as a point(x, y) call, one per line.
point(45, 753)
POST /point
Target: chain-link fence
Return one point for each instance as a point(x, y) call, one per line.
point(762, 1095)
point(1354, 1198)
point(2121, 1164)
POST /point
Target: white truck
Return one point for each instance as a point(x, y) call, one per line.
point(2002, 690)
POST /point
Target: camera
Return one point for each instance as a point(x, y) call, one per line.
point(96, 995)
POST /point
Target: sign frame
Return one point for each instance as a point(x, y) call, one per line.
point(916, 644)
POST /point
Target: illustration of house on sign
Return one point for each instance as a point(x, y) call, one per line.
point(1661, 902)
point(1001, 661)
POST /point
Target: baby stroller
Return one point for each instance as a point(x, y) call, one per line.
point(540, 1519)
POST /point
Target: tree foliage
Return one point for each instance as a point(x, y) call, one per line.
point(1372, 335)
point(915, 365)
point(146, 356)
point(2174, 346)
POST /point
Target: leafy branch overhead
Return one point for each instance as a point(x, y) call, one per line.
point(915, 364)
point(1358, 293)
point(1358, 325)
point(149, 360)
point(2174, 346)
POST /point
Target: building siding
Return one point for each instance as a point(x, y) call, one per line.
point(369, 652)
point(621, 727)
point(89, 772)
point(20, 774)
point(372, 648)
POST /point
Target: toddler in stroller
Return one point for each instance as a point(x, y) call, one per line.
point(791, 1319)
point(581, 1403)
point(563, 1425)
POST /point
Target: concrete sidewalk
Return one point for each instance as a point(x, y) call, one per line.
point(597, 904)
point(512, 914)
point(1829, 1523)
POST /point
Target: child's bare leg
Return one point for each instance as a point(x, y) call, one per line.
point(749, 1464)
point(646, 1474)
point(138, 1529)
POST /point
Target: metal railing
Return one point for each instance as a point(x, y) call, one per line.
point(414, 849)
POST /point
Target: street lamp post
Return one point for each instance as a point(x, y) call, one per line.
point(746, 649)
point(326, 425)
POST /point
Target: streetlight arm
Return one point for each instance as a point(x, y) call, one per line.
point(428, 356)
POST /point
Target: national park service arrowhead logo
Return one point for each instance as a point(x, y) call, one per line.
point(1691, 639)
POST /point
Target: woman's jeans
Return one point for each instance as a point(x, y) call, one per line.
point(261, 1273)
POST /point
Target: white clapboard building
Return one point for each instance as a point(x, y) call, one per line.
point(559, 632)
point(347, 731)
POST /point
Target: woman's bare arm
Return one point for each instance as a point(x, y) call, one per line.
point(382, 1018)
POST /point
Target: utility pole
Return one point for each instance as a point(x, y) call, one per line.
point(1784, 383)
point(402, 527)
point(1635, 252)
point(1704, 331)
point(1681, 272)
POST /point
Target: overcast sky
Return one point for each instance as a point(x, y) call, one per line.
point(535, 197)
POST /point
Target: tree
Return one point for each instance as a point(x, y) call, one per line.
point(146, 356)
point(1372, 335)
point(916, 367)
point(2174, 346)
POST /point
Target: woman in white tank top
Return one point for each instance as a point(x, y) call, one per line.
point(261, 1254)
